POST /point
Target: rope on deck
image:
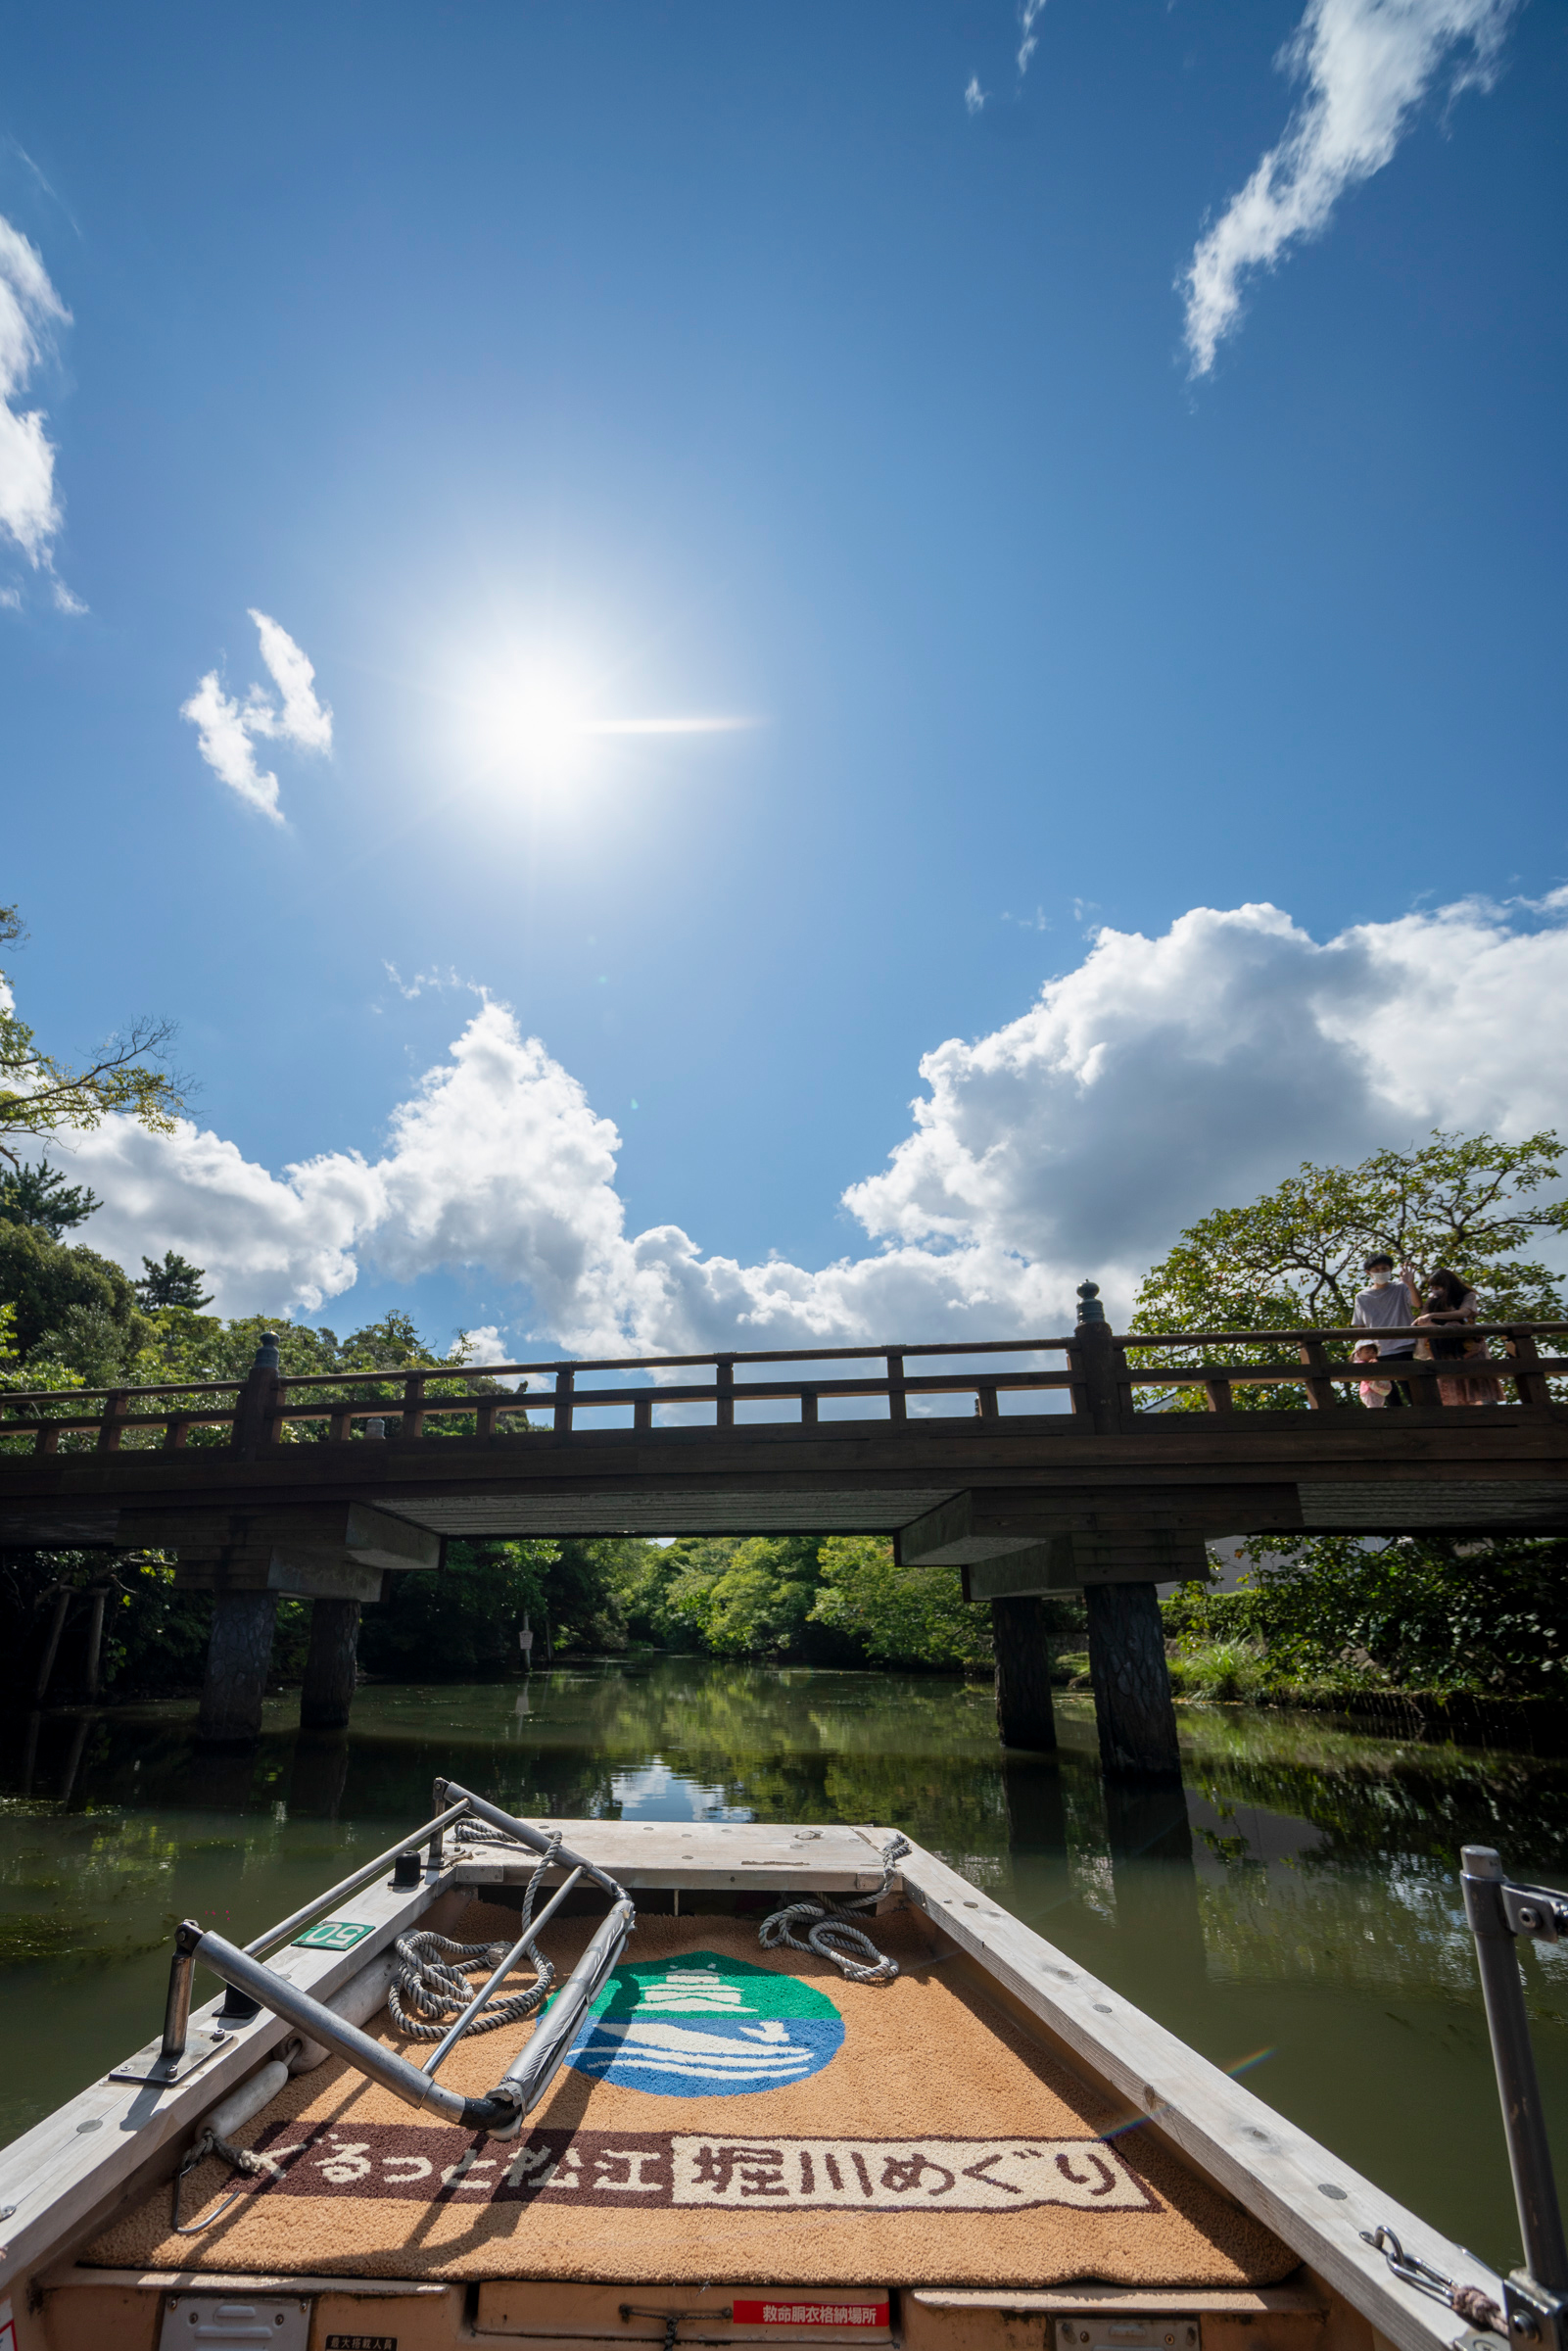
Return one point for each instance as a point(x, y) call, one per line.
point(829, 1932)
point(433, 1972)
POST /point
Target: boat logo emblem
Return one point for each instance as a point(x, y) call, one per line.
point(704, 2025)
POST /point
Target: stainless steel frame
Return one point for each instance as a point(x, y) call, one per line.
point(501, 2110)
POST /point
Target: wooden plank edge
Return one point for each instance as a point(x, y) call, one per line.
point(1245, 2302)
point(236, 2281)
point(1270, 2168)
point(765, 1878)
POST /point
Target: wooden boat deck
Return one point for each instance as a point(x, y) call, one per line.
point(75, 2179)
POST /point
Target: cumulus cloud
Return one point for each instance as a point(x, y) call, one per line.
point(1161, 1078)
point(1366, 64)
point(975, 97)
point(225, 726)
point(31, 311)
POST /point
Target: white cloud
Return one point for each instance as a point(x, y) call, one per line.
point(29, 312)
point(975, 97)
point(1367, 64)
point(225, 726)
point(225, 736)
point(302, 720)
point(1029, 38)
point(1161, 1078)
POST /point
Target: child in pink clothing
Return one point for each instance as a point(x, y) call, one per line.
point(1374, 1392)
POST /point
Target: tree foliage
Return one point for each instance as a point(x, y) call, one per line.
point(900, 1616)
point(174, 1283)
point(47, 1282)
point(39, 1093)
point(1437, 1613)
point(40, 1195)
point(838, 1599)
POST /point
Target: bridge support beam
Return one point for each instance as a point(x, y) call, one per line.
point(331, 1668)
point(1023, 1715)
point(238, 1655)
point(1133, 1710)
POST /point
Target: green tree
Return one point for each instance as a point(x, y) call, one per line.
point(1485, 1616)
point(45, 1280)
point(40, 1195)
point(1294, 1258)
point(902, 1616)
point(39, 1093)
point(462, 1623)
point(174, 1283)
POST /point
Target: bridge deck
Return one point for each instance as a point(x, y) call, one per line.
point(1506, 1467)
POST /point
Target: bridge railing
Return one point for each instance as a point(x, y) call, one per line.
point(449, 1403)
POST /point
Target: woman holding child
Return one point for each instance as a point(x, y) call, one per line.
point(1451, 1303)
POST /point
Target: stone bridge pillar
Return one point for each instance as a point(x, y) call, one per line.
point(331, 1668)
point(1023, 1715)
point(238, 1654)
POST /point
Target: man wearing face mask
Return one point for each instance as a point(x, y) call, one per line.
point(1388, 1305)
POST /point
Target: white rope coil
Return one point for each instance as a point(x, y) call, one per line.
point(830, 1929)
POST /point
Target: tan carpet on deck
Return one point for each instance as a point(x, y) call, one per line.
point(936, 2144)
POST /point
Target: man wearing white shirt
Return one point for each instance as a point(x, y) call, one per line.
point(1387, 1304)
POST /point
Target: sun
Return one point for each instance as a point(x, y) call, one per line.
point(547, 718)
point(536, 724)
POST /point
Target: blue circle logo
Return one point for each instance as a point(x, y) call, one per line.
point(702, 2024)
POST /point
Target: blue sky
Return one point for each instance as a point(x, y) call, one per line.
point(543, 367)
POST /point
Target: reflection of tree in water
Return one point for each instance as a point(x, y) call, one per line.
point(1370, 1900)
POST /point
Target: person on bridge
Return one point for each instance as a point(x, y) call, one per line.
point(1387, 1304)
point(1451, 1302)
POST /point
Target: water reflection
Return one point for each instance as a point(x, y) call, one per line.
point(1293, 1910)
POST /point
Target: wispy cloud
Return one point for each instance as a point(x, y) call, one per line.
point(421, 981)
point(975, 97)
point(225, 726)
point(30, 311)
point(1029, 38)
point(1366, 64)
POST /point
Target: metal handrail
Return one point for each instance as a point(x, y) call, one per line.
point(500, 2111)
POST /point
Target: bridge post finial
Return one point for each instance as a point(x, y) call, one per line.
point(1089, 1307)
point(266, 1353)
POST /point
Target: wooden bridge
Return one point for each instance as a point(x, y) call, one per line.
point(1035, 1465)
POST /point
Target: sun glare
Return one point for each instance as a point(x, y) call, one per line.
point(546, 722)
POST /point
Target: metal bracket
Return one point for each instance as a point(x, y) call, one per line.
point(1537, 2318)
point(151, 2065)
point(1534, 1910)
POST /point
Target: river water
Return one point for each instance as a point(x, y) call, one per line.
point(1298, 1919)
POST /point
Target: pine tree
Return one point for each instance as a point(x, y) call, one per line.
point(176, 1282)
point(41, 1196)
